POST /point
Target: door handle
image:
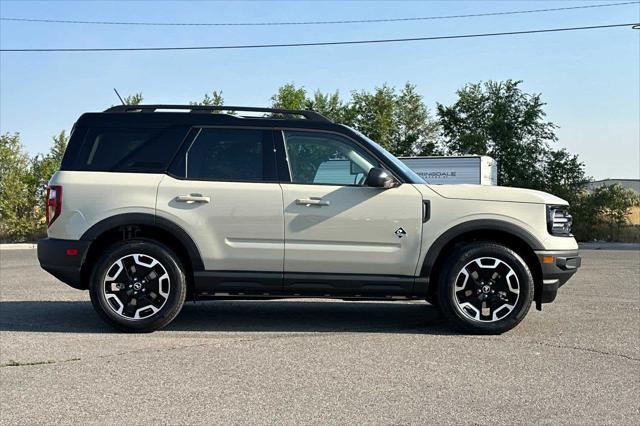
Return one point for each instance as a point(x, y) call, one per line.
point(193, 198)
point(313, 201)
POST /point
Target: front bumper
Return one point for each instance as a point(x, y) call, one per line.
point(63, 259)
point(557, 267)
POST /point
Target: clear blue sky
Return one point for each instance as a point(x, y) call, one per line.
point(590, 79)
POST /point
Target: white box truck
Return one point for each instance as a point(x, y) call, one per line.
point(474, 169)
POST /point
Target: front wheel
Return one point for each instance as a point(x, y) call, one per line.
point(138, 286)
point(485, 288)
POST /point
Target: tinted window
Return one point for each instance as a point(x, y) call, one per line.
point(128, 150)
point(229, 155)
point(325, 158)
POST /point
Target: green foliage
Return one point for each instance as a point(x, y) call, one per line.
point(135, 99)
point(216, 99)
point(415, 131)
point(373, 115)
point(400, 122)
point(563, 174)
point(602, 214)
point(617, 202)
point(288, 97)
point(328, 104)
point(23, 184)
point(500, 120)
point(18, 216)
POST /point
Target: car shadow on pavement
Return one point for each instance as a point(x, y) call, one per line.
point(239, 316)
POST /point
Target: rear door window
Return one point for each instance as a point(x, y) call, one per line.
point(233, 155)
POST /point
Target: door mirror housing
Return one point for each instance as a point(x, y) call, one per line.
point(380, 178)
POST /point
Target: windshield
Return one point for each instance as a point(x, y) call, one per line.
point(413, 176)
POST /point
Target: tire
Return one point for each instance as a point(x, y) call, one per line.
point(485, 288)
point(138, 286)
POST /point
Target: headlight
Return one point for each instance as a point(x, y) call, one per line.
point(559, 220)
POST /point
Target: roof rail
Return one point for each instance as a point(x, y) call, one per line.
point(308, 114)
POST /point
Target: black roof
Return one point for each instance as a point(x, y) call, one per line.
point(307, 114)
point(198, 115)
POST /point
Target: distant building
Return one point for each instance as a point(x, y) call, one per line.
point(627, 183)
point(634, 184)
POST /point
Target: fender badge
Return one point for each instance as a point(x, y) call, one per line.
point(400, 232)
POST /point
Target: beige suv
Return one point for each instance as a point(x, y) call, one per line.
point(158, 203)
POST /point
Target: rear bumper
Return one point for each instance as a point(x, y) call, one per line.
point(63, 259)
point(557, 267)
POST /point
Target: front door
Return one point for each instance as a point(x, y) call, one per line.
point(225, 195)
point(336, 225)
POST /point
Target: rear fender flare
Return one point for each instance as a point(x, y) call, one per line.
point(150, 220)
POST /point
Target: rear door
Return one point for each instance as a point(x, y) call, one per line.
point(224, 193)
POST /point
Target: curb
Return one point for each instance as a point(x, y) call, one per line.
point(608, 246)
point(22, 246)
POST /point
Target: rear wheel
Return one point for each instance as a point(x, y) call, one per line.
point(138, 286)
point(485, 288)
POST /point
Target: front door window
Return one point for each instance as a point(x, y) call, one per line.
point(326, 158)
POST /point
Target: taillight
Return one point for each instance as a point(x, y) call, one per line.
point(54, 203)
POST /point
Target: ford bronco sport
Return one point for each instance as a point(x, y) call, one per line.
point(154, 204)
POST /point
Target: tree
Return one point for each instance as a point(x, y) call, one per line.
point(135, 99)
point(500, 120)
point(23, 183)
point(289, 97)
point(603, 212)
point(416, 132)
point(616, 202)
point(215, 99)
point(374, 114)
point(563, 174)
point(399, 122)
point(328, 104)
point(17, 214)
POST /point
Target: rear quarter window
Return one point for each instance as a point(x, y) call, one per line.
point(142, 150)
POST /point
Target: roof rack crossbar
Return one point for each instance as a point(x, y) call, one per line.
point(308, 114)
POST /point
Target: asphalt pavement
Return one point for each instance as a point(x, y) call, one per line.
point(319, 361)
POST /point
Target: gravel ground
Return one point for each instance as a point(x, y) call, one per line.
point(321, 362)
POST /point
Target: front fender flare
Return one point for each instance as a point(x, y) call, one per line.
point(472, 226)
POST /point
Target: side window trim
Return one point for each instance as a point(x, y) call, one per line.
point(177, 166)
point(284, 173)
point(186, 153)
point(186, 140)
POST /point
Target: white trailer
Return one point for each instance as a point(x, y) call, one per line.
point(474, 169)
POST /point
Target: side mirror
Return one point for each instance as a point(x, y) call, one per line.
point(380, 178)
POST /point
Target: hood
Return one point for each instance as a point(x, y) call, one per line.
point(496, 193)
